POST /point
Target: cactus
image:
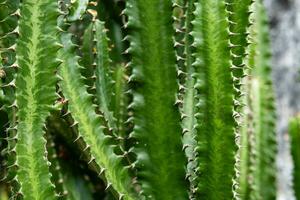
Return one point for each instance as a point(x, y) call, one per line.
point(257, 160)
point(156, 115)
point(35, 94)
point(8, 32)
point(215, 107)
point(295, 151)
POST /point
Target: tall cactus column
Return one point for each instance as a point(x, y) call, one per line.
point(160, 158)
point(216, 137)
point(259, 137)
point(35, 94)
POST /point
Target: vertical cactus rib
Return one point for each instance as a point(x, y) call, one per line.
point(183, 16)
point(216, 138)
point(160, 159)
point(97, 68)
point(100, 77)
point(89, 123)
point(263, 162)
point(238, 16)
point(238, 12)
point(120, 99)
point(103, 74)
point(35, 94)
point(110, 13)
point(294, 132)
point(87, 58)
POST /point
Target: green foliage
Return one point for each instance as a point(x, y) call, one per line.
point(139, 100)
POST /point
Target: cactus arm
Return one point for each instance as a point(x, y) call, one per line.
point(215, 112)
point(35, 95)
point(103, 74)
point(97, 69)
point(160, 159)
point(238, 16)
point(87, 59)
point(89, 123)
point(183, 15)
point(263, 168)
point(110, 13)
point(294, 132)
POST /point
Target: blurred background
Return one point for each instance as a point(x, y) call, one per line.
point(284, 18)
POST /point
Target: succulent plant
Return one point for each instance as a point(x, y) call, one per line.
point(160, 99)
point(258, 138)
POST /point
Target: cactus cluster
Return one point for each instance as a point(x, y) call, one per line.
point(136, 100)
